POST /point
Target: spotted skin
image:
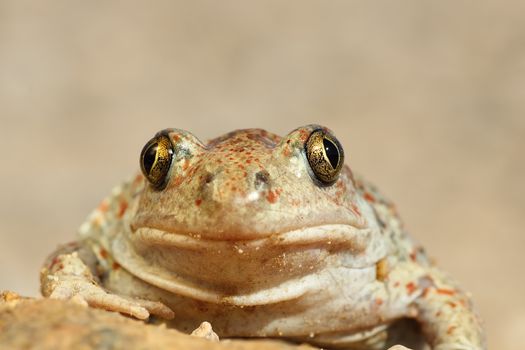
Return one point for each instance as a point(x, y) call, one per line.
point(245, 236)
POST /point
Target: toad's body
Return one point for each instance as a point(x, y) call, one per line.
point(252, 233)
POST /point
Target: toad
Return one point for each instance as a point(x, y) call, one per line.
point(262, 236)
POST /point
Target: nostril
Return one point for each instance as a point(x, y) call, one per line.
point(209, 177)
point(262, 179)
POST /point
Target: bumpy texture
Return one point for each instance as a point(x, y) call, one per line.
point(64, 325)
point(243, 233)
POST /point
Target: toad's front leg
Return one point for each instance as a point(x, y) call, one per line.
point(71, 273)
point(446, 314)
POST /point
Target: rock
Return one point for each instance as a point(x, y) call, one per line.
point(27, 323)
point(205, 331)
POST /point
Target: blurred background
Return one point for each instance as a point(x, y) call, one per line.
point(426, 97)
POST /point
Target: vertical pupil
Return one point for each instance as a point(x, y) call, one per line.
point(149, 157)
point(331, 152)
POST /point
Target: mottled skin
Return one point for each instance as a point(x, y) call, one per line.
point(245, 237)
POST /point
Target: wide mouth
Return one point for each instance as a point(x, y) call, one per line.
point(333, 234)
point(268, 270)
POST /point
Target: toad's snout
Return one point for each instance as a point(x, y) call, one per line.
point(225, 187)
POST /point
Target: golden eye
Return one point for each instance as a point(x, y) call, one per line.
point(155, 160)
point(325, 155)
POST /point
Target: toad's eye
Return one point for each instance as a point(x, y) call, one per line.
point(325, 155)
point(155, 161)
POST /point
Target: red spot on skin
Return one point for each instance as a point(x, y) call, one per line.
point(445, 291)
point(272, 196)
point(303, 135)
point(192, 172)
point(450, 329)
point(53, 262)
point(104, 253)
point(103, 206)
point(413, 256)
point(138, 179)
point(198, 202)
point(369, 198)
point(123, 205)
point(248, 161)
point(178, 180)
point(463, 302)
point(115, 265)
point(379, 301)
point(186, 164)
point(452, 304)
point(356, 210)
point(411, 287)
point(396, 284)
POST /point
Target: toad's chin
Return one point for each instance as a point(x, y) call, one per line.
point(268, 270)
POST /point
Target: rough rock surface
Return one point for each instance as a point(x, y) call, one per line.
point(27, 323)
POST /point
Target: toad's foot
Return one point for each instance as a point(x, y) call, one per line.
point(68, 277)
point(205, 331)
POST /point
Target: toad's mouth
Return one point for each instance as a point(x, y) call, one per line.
point(267, 270)
point(354, 237)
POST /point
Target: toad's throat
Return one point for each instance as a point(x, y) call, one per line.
point(256, 272)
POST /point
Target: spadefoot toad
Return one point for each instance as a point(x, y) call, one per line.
point(262, 236)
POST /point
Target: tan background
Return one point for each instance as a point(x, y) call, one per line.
point(426, 97)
